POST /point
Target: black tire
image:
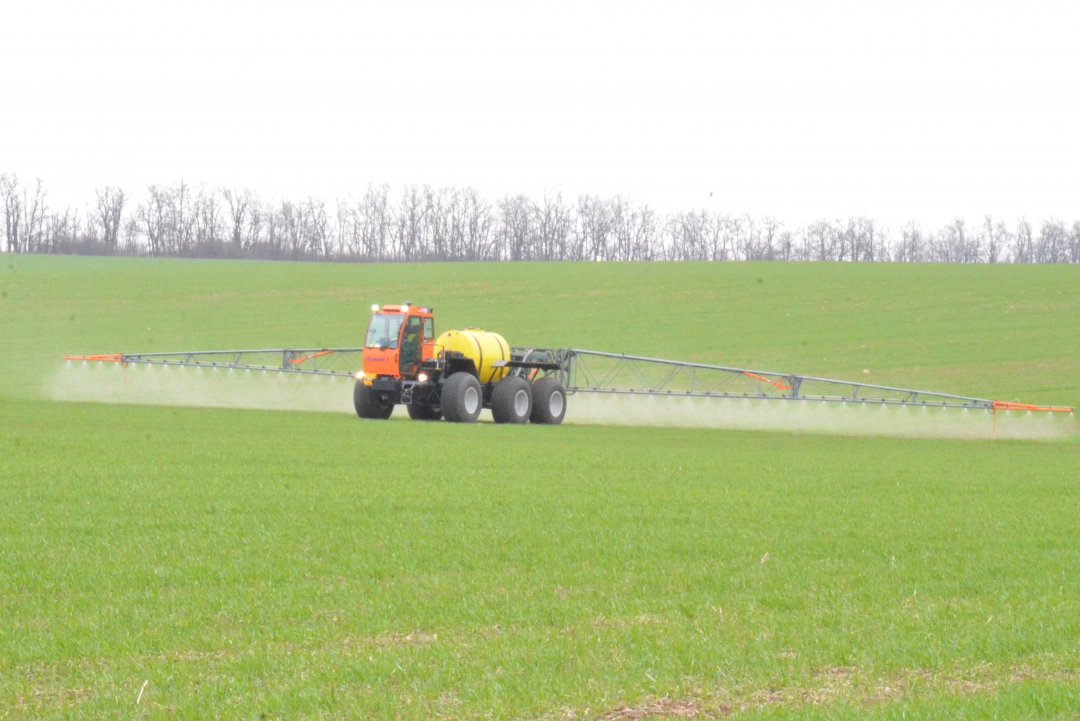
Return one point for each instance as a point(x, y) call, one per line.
point(420, 412)
point(370, 404)
point(511, 400)
point(462, 398)
point(549, 401)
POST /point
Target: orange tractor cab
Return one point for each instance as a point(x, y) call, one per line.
point(399, 338)
point(453, 376)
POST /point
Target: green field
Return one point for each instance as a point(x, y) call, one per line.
point(164, 562)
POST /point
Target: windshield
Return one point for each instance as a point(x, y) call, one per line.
point(383, 331)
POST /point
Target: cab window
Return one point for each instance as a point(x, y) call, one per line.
point(429, 330)
point(384, 331)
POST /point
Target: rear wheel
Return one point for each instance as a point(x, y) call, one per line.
point(370, 404)
point(511, 400)
point(549, 401)
point(420, 412)
point(462, 398)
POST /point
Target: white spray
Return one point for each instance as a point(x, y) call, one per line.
point(144, 384)
point(230, 388)
point(863, 419)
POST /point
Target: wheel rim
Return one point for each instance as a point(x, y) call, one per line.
point(521, 404)
point(471, 401)
point(555, 404)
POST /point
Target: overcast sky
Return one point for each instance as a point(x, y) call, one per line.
point(800, 110)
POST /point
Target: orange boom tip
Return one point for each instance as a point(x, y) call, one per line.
point(1008, 406)
point(106, 358)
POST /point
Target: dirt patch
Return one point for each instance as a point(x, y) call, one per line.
point(54, 698)
point(834, 685)
point(654, 708)
point(395, 640)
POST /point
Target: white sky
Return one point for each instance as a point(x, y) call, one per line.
point(898, 110)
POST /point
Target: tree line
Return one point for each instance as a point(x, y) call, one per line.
point(423, 223)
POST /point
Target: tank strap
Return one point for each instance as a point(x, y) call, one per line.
point(480, 358)
point(505, 351)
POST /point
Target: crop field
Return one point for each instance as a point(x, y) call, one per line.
point(236, 563)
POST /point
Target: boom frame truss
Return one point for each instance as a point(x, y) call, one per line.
point(308, 361)
point(588, 371)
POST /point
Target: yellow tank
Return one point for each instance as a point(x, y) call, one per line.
point(483, 347)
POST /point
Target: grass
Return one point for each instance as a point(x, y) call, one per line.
point(990, 331)
point(240, 564)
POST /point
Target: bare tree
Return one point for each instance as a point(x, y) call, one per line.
point(1074, 243)
point(785, 245)
point(34, 218)
point(320, 240)
point(910, 249)
point(456, 221)
point(594, 229)
point(769, 240)
point(553, 225)
point(689, 233)
point(293, 223)
point(515, 226)
point(156, 219)
point(24, 215)
point(951, 242)
point(110, 209)
point(274, 240)
point(867, 238)
point(480, 243)
point(13, 210)
point(240, 204)
point(452, 223)
point(821, 241)
point(1053, 243)
point(209, 230)
point(408, 236)
point(1023, 251)
point(130, 236)
point(255, 242)
point(368, 225)
point(635, 231)
point(997, 239)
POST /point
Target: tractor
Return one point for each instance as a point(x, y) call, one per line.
point(454, 376)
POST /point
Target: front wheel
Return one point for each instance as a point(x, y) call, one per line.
point(420, 412)
point(369, 404)
point(462, 398)
point(549, 401)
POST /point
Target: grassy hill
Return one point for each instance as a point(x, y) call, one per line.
point(990, 331)
point(189, 563)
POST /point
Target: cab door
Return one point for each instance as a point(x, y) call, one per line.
point(410, 347)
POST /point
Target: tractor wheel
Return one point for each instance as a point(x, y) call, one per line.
point(370, 404)
point(462, 398)
point(549, 401)
point(511, 400)
point(421, 412)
